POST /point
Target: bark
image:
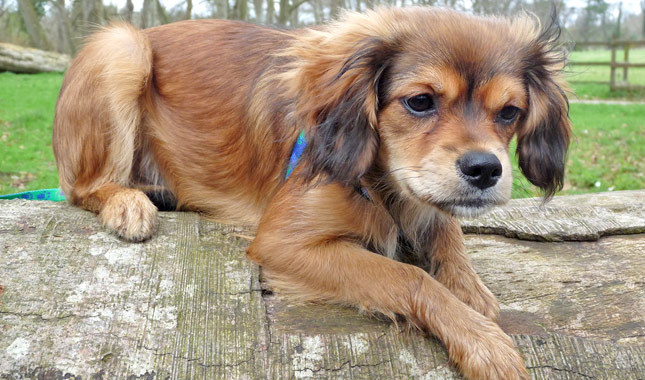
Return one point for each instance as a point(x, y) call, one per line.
point(189, 9)
point(129, 9)
point(20, 59)
point(336, 6)
point(643, 17)
point(76, 302)
point(67, 42)
point(258, 8)
point(242, 9)
point(270, 16)
point(32, 24)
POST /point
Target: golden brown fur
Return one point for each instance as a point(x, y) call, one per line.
point(408, 115)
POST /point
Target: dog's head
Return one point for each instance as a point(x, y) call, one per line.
point(432, 98)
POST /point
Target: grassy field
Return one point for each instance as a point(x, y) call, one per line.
point(608, 151)
point(26, 114)
point(576, 73)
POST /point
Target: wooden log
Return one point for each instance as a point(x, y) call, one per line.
point(571, 218)
point(76, 302)
point(20, 59)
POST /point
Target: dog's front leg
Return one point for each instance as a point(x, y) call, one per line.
point(451, 266)
point(307, 248)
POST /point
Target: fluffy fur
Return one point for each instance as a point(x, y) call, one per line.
point(205, 113)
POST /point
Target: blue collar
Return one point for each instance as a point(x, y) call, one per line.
point(298, 148)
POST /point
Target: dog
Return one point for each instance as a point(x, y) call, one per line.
point(406, 115)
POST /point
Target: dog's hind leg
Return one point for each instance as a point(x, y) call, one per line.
point(97, 130)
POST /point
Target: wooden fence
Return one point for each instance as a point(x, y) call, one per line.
point(614, 45)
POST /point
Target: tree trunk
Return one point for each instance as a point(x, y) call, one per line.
point(619, 21)
point(20, 59)
point(283, 16)
point(259, 11)
point(294, 15)
point(32, 24)
point(129, 9)
point(336, 6)
point(189, 9)
point(67, 42)
point(161, 12)
point(147, 16)
point(222, 9)
point(319, 14)
point(241, 9)
point(643, 17)
point(270, 17)
point(93, 13)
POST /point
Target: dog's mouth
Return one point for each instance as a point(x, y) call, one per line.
point(461, 206)
point(466, 207)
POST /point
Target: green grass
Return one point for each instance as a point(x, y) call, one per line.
point(26, 114)
point(576, 74)
point(607, 153)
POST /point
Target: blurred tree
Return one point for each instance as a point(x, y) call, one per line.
point(31, 11)
point(64, 27)
point(129, 9)
point(643, 16)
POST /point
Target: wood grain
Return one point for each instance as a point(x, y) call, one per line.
point(79, 303)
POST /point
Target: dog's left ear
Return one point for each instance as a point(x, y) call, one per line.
point(337, 83)
point(543, 138)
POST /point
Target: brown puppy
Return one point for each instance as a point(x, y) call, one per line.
point(408, 114)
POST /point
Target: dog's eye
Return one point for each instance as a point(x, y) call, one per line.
point(420, 105)
point(508, 114)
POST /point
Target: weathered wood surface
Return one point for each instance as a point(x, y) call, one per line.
point(79, 303)
point(571, 218)
point(20, 59)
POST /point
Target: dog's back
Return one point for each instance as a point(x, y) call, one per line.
point(130, 96)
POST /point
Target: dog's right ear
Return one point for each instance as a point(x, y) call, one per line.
point(336, 78)
point(543, 137)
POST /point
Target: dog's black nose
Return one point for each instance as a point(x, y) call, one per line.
point(480, 169)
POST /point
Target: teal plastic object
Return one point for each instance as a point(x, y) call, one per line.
point(55, 195)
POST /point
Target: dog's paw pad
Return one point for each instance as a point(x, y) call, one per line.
point(130, 214)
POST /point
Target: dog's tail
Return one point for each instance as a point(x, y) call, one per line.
point(98, 114)
point(98, 130)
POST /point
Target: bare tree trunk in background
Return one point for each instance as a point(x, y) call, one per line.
point(2, 8)
point(270, 12)
point(258, 8)
point(283, 14)
point(241, 10)
point(67, 44)
point(92, 13)
point(189, 9)
point(222, 9)
point(319, 13)
point(643, 17)
point(146, 17)
point(161, 12)
point(129, 9)
point(336, 6)
point(294, 15)
point(619, 21)
point(32, 24)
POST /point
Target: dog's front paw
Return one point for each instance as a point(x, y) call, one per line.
point(130, 214)
point(486, 352)
point(466, 285)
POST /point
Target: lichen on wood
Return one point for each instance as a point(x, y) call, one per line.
point(80, 303)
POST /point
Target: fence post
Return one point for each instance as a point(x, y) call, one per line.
point(626, 59)
point(612, 79)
